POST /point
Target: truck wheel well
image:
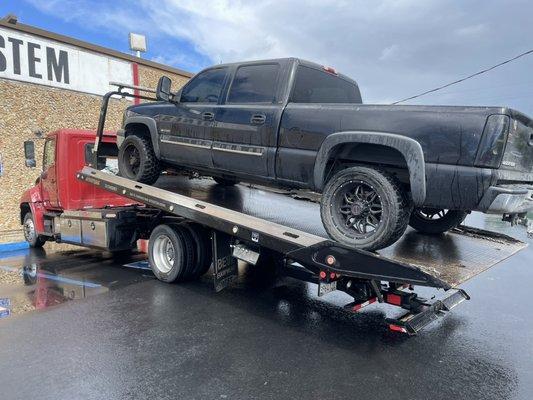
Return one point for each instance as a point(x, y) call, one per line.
point(24, 209)
point(387, 158)
point(137, 129)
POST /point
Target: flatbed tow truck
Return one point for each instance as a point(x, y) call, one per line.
point(216, 226)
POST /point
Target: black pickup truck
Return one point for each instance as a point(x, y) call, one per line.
point(292, 123)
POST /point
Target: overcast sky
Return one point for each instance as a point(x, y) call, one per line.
point(394, 49)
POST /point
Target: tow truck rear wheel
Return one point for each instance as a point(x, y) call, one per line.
point(168, 253)
point(202, 246)
point(30, 234)
point(189, 249)
point(434, 221)
point(137, 160)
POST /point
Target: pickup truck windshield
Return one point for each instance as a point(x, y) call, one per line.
point(315, 86)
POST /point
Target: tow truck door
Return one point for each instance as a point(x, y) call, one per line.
point(49, 174)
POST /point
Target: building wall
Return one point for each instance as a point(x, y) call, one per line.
point(148, 77)
point(27, 108)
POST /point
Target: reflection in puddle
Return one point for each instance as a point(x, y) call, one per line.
point(34, 280)
point(43, 289)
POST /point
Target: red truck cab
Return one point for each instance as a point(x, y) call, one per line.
point(58, 190)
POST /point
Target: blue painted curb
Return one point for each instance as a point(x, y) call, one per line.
point(13, 246)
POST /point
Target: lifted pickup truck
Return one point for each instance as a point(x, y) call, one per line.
point(191, 225)
point(292, 123)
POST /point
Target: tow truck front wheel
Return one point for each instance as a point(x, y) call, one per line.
point(364, 208)
point(137, 160)
point(30, 234)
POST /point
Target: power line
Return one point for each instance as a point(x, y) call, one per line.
point(466, 77)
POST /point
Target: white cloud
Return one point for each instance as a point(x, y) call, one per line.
point(471, 30)
point(389, 52)
point(394, 48)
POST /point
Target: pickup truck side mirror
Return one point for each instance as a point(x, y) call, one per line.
point(29, 154)
point(163, 89)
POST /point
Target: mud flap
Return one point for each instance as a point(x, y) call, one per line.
point(225, 265)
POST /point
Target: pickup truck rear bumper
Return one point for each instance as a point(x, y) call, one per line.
point(507, 199)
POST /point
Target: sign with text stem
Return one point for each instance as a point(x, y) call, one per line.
point(34, 59)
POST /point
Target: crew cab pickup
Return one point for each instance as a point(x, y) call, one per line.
point(292, 123)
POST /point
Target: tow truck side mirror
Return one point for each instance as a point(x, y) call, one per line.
point(29, 153)
point(163, 89)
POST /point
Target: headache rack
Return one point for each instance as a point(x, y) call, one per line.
point(304, 253)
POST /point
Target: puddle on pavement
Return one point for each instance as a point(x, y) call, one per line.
point(35, 279)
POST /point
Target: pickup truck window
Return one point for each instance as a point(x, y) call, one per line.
point(254, 84)
point(205, 87)
point(315, 86)
point(49, 153)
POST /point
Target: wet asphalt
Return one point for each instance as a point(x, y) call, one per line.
point(84, 326)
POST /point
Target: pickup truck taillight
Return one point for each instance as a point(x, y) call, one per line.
point(493, 140)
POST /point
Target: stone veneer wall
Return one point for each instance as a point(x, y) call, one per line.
point(27, 108)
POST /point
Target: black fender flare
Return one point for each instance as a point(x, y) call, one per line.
point(152, 128)
point(408, 147)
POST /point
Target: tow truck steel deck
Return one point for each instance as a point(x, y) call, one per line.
point(222, 225)
point(251, 226)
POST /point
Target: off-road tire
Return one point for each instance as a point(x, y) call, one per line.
point(34, 240)
point(149, 167)
point(450, 220)
point(225, 181)
point(396, 208)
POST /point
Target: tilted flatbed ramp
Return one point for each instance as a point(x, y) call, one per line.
point(293, 228)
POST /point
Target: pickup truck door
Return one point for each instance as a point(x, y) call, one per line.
point(245, 132)
point(49, 174)
point(186, 131)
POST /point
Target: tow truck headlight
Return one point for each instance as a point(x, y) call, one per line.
point(493, 141)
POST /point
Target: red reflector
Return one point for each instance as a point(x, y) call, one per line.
point(397, 328)
point(142, 245)
point(394, 299)
point(332, 275)
point(322, 274)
